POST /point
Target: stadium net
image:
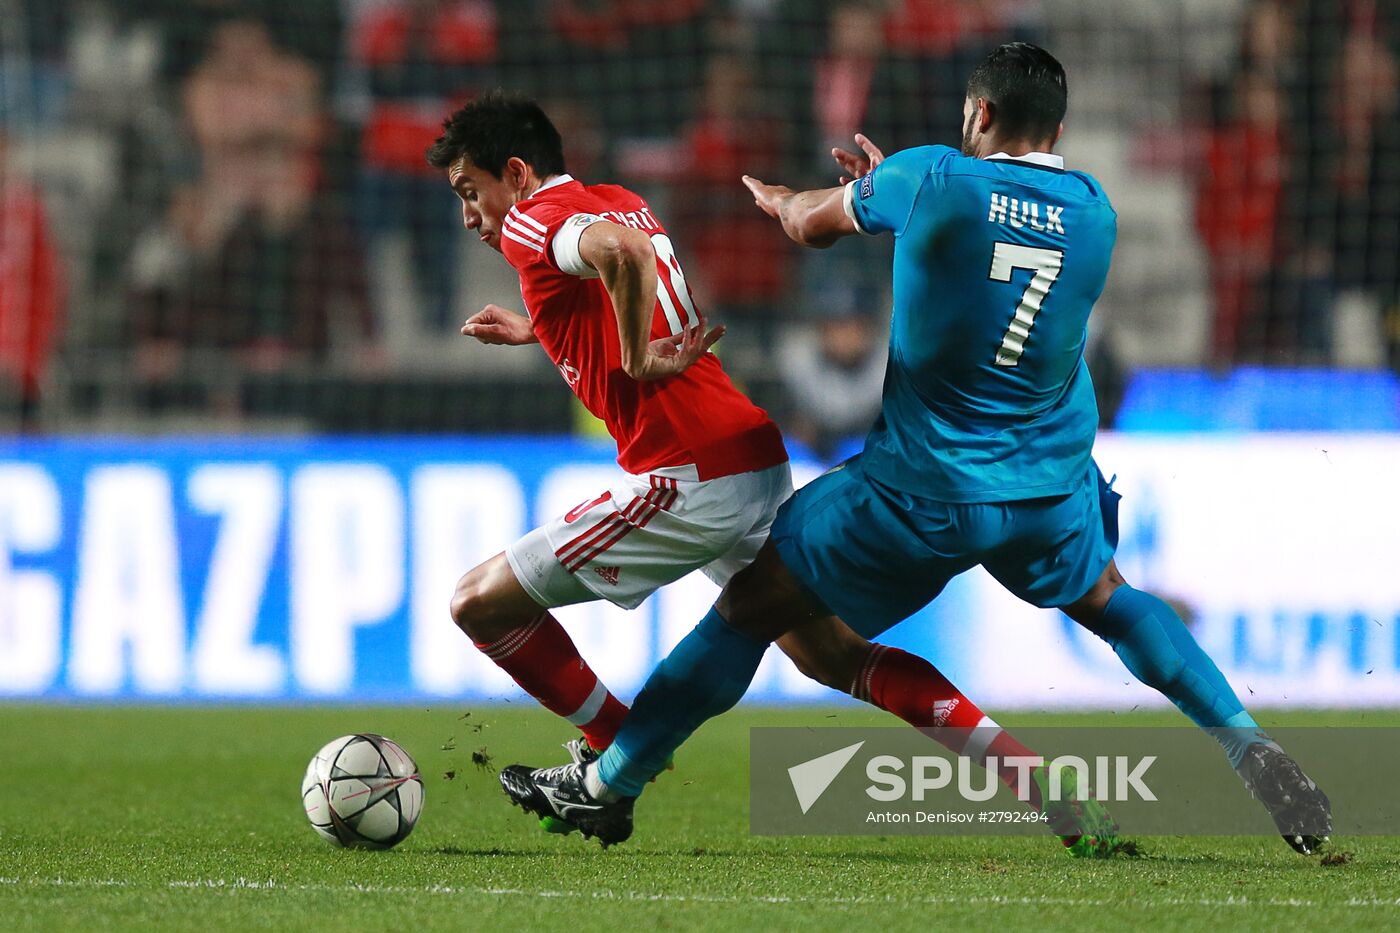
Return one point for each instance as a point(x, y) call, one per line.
point(217, 216)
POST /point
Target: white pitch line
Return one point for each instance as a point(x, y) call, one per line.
point(245, 884)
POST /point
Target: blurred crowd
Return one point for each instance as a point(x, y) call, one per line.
point(219, 211)
point(1299, 189)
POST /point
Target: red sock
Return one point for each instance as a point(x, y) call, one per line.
point(542, 659)
point(915, 691)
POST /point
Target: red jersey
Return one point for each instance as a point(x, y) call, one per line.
point(697, 417)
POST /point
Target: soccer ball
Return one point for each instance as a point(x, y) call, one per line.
point(363, 792)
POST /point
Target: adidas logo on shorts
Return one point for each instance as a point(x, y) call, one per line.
point(942, 709)
point(609, 574)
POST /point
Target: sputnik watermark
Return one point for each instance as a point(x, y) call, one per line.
point(1114, 778)
point(1146, 780)
point(955, 818)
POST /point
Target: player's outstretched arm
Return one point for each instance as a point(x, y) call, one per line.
point(810, 218)
point(626, 262)
point(495, 325)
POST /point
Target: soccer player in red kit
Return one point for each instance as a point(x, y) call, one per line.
point(704, 468)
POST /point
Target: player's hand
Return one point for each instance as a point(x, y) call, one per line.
point(769, 198)
point(670, 356)
point(856, 166)
point(495, 325)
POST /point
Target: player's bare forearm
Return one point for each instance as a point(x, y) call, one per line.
point(626, 263)
point(807, 217)
point(810, 218)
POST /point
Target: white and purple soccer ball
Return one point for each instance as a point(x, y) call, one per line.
point(362, 791)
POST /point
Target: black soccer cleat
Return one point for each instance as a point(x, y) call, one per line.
point(1299, 808)
point(582, 753)
point(561, 793)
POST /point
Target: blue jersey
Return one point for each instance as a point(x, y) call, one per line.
point(997, 264)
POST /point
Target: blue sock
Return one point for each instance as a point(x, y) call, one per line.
point(702, 677)
point(1150, 638)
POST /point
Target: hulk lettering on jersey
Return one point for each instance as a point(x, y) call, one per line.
point(1013, 212)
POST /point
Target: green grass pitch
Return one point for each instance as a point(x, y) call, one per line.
point(188, 818)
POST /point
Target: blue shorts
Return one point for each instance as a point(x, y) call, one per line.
point(875, 556)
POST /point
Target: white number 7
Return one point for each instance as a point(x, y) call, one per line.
point(1007, 257)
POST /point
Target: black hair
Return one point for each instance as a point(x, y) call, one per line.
point(1027, 87)
point(495, 127)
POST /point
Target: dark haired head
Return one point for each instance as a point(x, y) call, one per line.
point(494, 128)
point(1027, 89)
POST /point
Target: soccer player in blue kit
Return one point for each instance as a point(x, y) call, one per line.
point(982, 453)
